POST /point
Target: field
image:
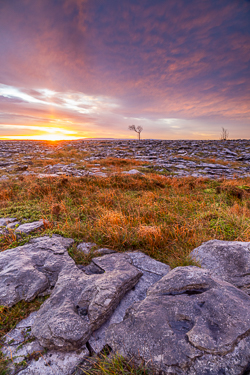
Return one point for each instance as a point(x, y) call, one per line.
point(165, 217)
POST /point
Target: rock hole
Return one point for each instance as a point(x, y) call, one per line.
point(82, 311)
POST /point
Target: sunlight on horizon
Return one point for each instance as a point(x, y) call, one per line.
point(44, 137)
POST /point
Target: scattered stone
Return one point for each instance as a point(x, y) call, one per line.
point(85, 247)
point(189, 323)
point(100, 174)
point(30, 227)
point(228, 260)
point(13, 225)
point(132, 172)
point(5, 221)
point(22, 168)
point(29, 270)
point(42, 175)
point(163, 155)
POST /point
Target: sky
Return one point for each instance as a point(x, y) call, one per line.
point(90, 68)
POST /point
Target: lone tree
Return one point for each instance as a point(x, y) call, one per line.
point(224, 134)
point(138, 129)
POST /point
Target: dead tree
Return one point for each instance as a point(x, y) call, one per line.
point(138, 129)
point(224, 134)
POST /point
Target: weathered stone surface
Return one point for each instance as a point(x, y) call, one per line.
point(30, 227)
point(20, 346)
point(85, 247)
point(152, 271)
point(13, 225)
point(29, 270)
point(81, 303)
point(104, 251)
point(54, 362)
point(5, 221)
point(228, 260)
point(190, 323)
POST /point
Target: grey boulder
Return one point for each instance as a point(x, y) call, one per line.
point(228, 260)
point(190, 323)
point(29, 270)
point(80, 303)
point(30, 227)
point(31, 357)
point(152, 271)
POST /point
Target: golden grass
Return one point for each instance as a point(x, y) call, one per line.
point(164, 217)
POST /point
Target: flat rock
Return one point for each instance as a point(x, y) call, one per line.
point(13, 225)
point(81, 303)
point(19, 345)
point(228, 260)
point(29, 270)
point(49, 175)
point(5, 221)
point(133, 172)
point(30, 227)
point(100, 174)
point(190, 323)
point(152, 271)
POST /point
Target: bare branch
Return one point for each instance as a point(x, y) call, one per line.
point(138, 129)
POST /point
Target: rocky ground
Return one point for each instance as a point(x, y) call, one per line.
point(185, 321)
point(188, 320)
point(210, 159)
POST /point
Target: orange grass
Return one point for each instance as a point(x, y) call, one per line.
point(164, 217)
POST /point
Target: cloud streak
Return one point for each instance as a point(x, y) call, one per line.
point(94, 66)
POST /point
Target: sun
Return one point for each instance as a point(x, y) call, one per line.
point(54, 137)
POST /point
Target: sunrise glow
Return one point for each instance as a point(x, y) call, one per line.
point(79, 69)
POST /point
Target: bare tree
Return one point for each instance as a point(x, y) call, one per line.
point(224, 134)
point(138, 129)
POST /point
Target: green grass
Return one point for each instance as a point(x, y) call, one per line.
point(116, 365)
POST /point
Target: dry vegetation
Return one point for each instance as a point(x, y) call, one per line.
point(162, 216)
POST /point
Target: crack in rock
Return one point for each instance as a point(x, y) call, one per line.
point(81, 303)
point(168, 330)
